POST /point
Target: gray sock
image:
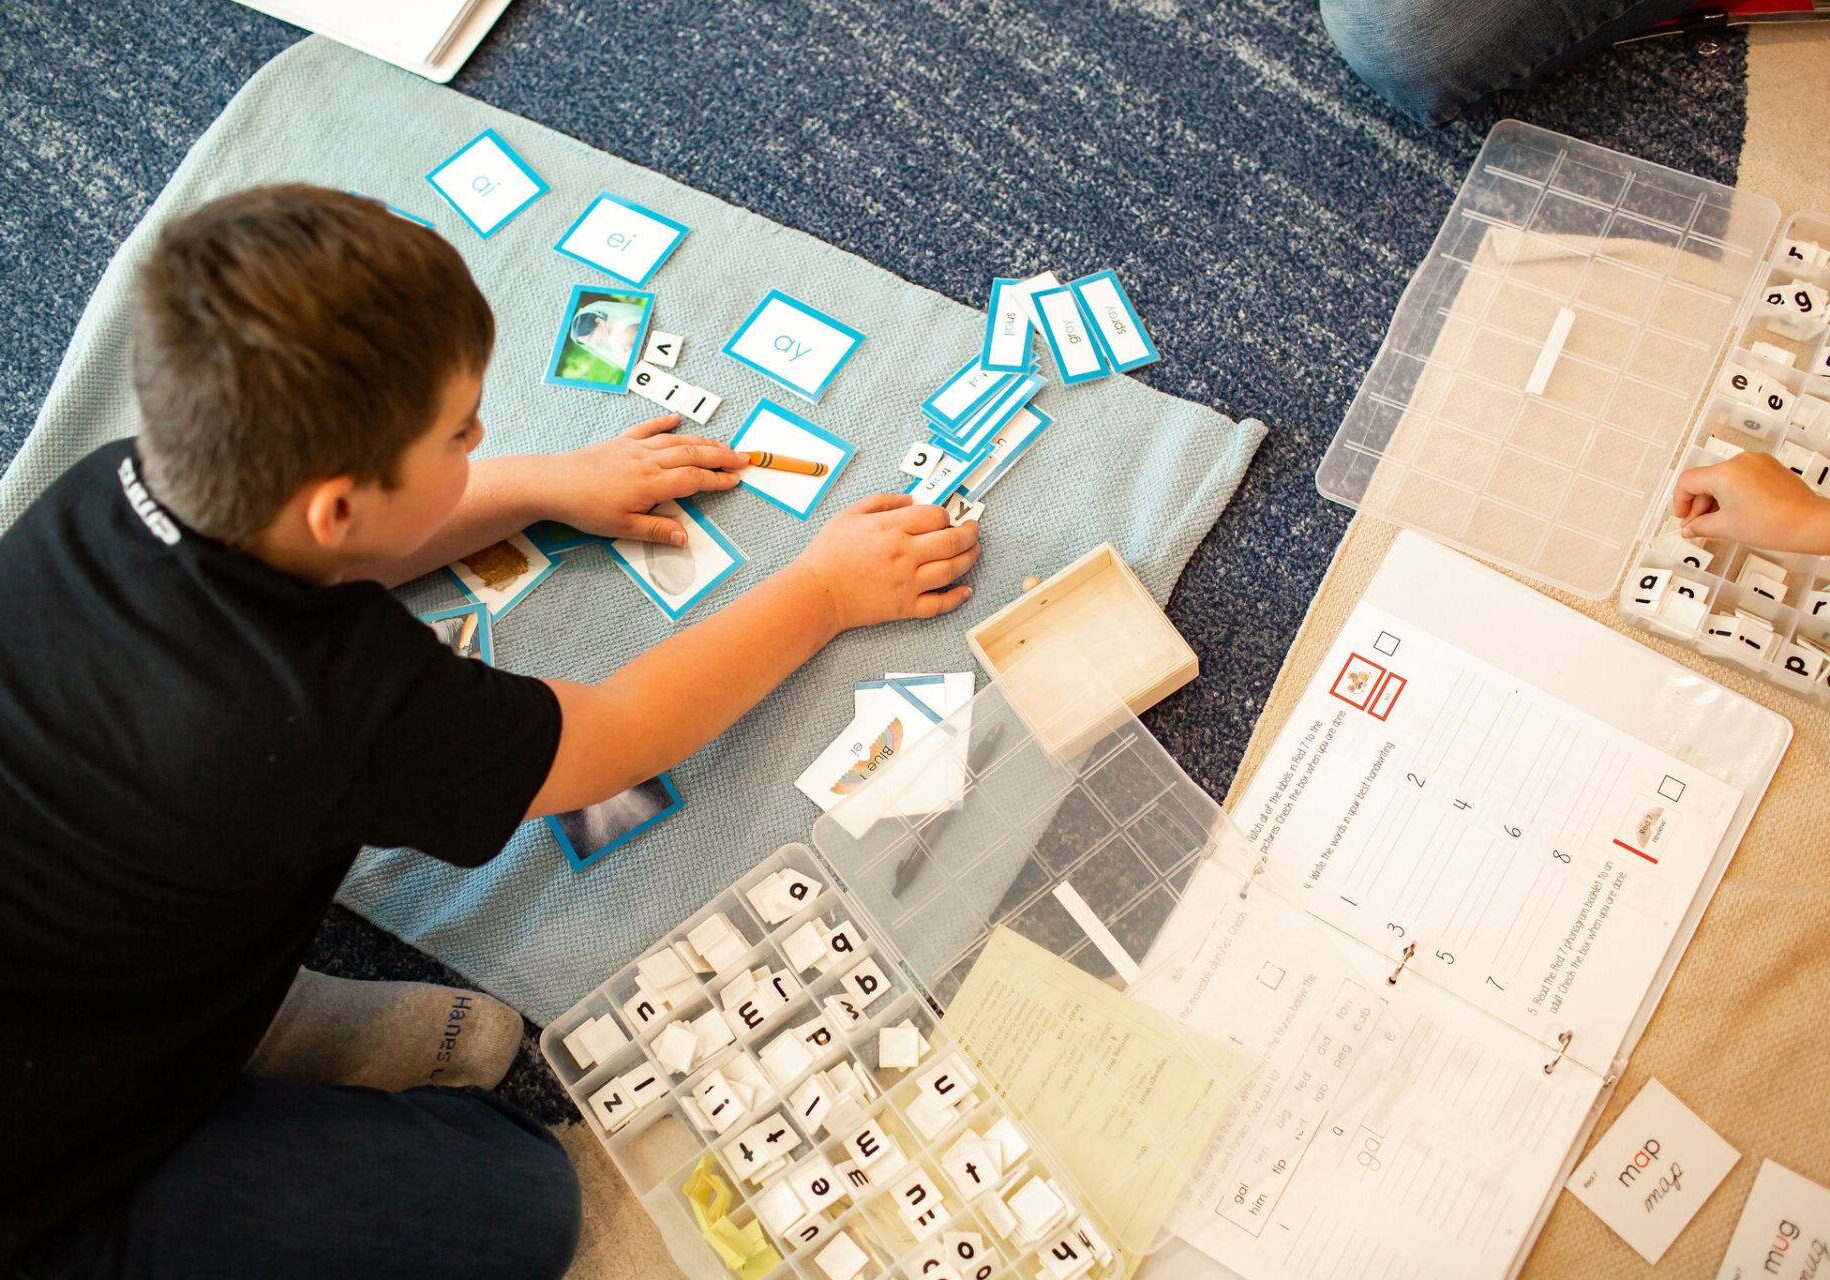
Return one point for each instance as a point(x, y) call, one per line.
point(387, 1035)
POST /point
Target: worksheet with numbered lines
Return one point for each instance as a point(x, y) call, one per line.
point(1530, 858)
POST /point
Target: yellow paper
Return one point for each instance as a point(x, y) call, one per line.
point(745, 1250)
point(709, 1195)
point(1124, 1098)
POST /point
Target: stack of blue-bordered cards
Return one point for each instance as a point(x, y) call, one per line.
point(980, 421)
point(888, 717)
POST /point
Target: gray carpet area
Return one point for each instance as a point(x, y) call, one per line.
point(1263, 207)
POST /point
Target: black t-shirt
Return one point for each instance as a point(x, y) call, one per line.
point(193, 746)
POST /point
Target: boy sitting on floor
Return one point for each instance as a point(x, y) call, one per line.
point(209, 702)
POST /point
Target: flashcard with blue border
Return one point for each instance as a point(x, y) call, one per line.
point(677, 578)
point(600, 338)
point(965, 392)
point(486, 182)
point(1005, 448)
point(938, 485)
point(770, 428)
point(465, 630)
point(988, 421)
point(555, 537)
point(1006, 348)
point(621, 238)
point(790, 342)
point(500, 575)
point(397, 211)
point(1115, 323)
point(586, 835)
point(1077, 356)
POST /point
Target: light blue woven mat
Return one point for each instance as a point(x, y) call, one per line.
point(1122, 463)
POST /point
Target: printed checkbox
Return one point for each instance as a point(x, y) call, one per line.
point(1271, 975)
point(1671, 789)
point(1387, 643)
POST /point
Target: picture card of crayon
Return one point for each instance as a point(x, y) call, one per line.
point(1006, 348)
point(1070, 340)
point(677, 578)
point(465, 630)
point(621, 238)
point(770, 428)
point(1115, 323)
point(500, 575)
point(600, 337)
point(487, 182)
point(586, 835)
point(794, 344)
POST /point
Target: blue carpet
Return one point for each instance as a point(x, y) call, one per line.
point(1263, 207)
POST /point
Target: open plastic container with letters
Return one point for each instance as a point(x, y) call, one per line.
point(1550, 368)
point(1070, 826)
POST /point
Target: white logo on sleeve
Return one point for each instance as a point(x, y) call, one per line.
point(164, 528)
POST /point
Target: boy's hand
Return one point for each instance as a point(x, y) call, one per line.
point(610, 488)
point(886, 558)
point(1752, 498)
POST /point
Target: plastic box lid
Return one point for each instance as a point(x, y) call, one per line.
point(1546, 358)
point(1076, 830)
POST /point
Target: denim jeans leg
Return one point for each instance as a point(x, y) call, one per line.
point(1432, 59)
point(289, 1180)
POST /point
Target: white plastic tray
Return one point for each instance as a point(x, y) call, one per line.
point(1548, 355)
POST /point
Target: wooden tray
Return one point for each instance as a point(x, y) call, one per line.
point(1093, 623)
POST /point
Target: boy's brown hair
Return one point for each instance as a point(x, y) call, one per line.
point(287, 334)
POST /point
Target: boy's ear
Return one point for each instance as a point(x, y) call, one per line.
point(329, 507)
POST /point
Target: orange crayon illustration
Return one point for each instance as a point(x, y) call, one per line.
point(780, 462)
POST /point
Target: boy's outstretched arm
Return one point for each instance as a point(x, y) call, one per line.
point(1753, 498)
point(605, 488)
point(876, 561)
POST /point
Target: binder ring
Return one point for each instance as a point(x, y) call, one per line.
point(1256, 871)
point(1562, 1048)
point(1410, 949)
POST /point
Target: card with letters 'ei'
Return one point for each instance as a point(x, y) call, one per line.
point(621, 238)
point(792, 343)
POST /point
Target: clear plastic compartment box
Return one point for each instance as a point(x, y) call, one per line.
point(1557, 359)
